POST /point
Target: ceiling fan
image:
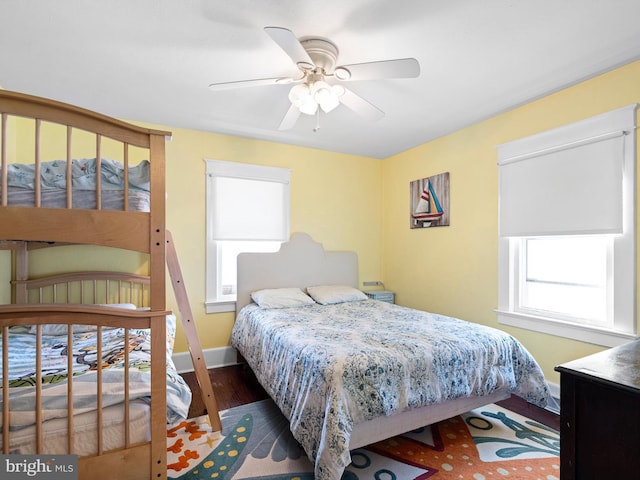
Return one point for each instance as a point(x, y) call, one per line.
point(317, 86)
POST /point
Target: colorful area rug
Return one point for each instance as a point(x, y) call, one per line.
point(483, 444)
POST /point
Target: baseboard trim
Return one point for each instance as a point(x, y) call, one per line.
point(213, 358)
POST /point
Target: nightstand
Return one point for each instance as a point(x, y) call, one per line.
point(382, 295)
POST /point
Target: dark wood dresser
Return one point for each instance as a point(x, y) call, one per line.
point(600, 415)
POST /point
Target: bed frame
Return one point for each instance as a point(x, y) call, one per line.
point(302, 262)
point(22, 228)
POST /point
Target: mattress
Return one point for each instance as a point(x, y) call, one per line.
point(109, 200)
point(55, 437)
point(329, 367)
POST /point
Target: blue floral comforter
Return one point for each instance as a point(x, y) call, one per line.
point(329, 367)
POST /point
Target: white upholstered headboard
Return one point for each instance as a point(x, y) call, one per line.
point(300, 262)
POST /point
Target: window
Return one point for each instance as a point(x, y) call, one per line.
point(567, 277)
point(567, 230)
point(247, 211)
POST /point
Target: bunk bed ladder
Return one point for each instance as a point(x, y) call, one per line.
point(188, 325)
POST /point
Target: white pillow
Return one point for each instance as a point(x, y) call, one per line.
point(328, 294)
point(281, 298)
point(61, 329)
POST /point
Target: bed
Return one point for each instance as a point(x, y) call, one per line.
point(102, 183)
point(347, 370)
point(122, 353)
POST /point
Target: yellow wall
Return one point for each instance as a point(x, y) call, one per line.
point(453, 270)
point(334, 197)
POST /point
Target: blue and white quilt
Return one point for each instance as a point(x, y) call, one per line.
point(22, 374)
point(53, 179)
point(53, 175)
point(329, 367)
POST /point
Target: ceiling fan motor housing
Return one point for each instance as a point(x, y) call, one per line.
point(323, 53)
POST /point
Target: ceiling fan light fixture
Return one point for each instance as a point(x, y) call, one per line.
point(309, 106)
point(319, 85)
point(298, 94)
point(301, 97)
point(308, 97)
point(326, 99)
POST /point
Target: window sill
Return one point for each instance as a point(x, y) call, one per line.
point(220, 306)
point(584, 333)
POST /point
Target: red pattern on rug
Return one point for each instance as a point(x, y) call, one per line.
point(455, 456)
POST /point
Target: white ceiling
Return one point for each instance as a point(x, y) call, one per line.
point(152, 60)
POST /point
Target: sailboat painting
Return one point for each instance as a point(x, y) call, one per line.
point(430, 201)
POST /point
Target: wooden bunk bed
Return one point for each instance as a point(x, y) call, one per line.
point(102, 203)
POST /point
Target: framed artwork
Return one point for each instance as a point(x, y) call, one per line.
point(430, 202)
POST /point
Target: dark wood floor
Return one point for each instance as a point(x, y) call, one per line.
point(236, 385)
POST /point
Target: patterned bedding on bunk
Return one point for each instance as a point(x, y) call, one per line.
point(329, 367)
point(21, 181)
point(22, 372)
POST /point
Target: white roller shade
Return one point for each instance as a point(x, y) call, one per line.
point(571, 180)
point(572, 190)
point(248, 202)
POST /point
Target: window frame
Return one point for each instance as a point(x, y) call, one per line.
point(624, 326)
point(215, 303)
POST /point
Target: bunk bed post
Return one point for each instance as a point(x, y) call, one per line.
point(157, 289)
point(157, 224)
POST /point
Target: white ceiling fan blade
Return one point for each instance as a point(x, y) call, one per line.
point(291, 45)
point(258, 82)
point(399, 68)
point(360, 105)
point(290, 118)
